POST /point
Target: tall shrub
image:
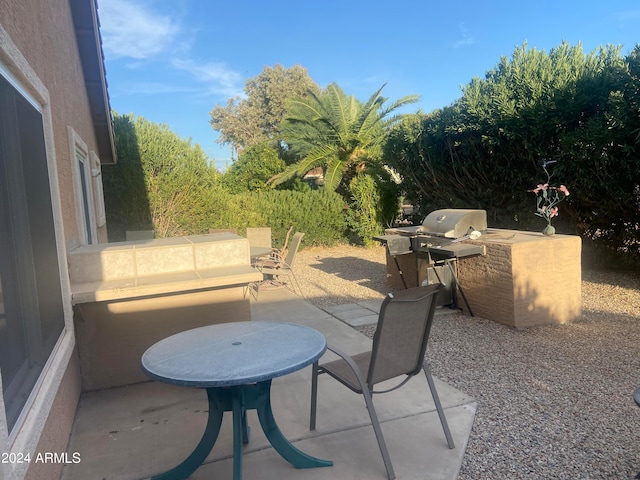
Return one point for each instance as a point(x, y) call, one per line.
point(374, 205)
point(484, 150)
point(253, 168)
point(317, 213)
point(162, 179)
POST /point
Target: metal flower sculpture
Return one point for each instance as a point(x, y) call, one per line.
point(547, 199)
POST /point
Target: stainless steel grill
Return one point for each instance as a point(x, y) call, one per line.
point(429, 251)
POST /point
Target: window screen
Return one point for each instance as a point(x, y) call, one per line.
point(31, 308)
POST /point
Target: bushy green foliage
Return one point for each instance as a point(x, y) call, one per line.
point(362, 216)
point(317, 213)
point(374, 204)
point(484, 150)
point(160, 182)
point(255, 119)
point(164, 183)
point(336, 132)
point(253, 168)
point(125, 192)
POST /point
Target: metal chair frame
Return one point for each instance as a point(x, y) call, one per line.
point(277, 266)
point(423, 301)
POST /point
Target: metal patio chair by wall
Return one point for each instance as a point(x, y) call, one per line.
point(259, 236)
point(399, 346)
point(277, 268)
point(285, 246)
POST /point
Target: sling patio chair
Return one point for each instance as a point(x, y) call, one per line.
point(285, 246)
point(399, 346)
point(277, 268)
point(260, 240)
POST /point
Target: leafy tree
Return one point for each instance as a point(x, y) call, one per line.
point(245, 122)
point(254, 167)
point(337, 132)
point(125, 192)
point(179, 185)
point(484, 150)
point(318, 213)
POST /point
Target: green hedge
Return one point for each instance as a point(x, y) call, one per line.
point(485, 150)
point(317, 213)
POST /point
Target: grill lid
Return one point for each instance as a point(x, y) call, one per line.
point(454, 222)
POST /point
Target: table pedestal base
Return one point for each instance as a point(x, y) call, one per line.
point(238, 399)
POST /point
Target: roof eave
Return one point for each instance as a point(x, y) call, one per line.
point(87, 30)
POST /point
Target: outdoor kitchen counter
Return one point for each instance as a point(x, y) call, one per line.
point(116, 271)
point(163, 284)
point(129, 295)
point(525, 278)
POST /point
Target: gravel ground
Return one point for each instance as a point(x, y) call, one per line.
point(554, 402)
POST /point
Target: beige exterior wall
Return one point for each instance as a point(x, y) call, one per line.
point(38, 50)
point(56, 431)
point(43, 33)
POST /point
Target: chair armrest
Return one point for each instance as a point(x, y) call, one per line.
point(349, 361)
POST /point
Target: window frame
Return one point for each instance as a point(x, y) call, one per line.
point(83, 188)
point(25, 432)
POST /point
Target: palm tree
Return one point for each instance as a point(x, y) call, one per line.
point(336, 132)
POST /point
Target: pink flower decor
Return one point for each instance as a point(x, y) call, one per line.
point(548, 197)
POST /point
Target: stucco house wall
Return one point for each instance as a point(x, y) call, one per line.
point(40, 53)
point(43, 32)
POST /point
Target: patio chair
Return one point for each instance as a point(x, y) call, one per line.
point(276, 268)
point(260, 237)
point(285, 246)
point(399, 346)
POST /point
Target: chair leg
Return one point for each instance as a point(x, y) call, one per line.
point(253, 290)
point(372, 414)
point(436, 400)
point(314, 396)
point(297, 284)
point(378, 431)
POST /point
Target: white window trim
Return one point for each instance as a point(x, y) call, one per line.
point(26, 433)
point(79, 148)
point(98, 193)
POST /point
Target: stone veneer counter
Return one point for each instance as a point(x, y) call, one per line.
point(129, 295)
point(525, 279)
point(116, 271)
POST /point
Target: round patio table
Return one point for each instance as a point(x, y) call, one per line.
point(235, 363)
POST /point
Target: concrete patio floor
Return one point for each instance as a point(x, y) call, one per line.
point(134, 432)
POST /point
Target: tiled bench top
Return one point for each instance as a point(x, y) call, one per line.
point(113, 271)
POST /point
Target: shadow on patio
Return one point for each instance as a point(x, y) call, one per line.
point(140, 430)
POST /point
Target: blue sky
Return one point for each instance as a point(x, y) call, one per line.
point(172, 61)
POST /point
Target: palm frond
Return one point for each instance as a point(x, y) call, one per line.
point(336, 131)
point(338, 110)
point(319, 156)
point(333, 174)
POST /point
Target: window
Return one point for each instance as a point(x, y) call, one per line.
point(81, 157)
point(98, 192)
point(85, 216)
point(31, 308)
